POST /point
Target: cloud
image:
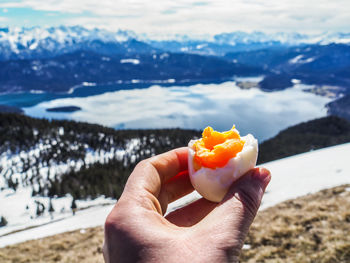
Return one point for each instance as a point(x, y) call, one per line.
point(200, 17)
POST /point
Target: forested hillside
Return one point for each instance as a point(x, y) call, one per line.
point(304, 137)
point(59, 157)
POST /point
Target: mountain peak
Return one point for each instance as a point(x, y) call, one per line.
point(40, 42)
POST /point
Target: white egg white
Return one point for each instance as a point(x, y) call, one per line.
point(213, 184)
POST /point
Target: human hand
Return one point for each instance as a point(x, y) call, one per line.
point(137, 231)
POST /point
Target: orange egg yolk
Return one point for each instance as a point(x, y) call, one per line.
point(215, 149)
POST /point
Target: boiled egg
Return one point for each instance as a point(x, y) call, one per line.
point(218, 159)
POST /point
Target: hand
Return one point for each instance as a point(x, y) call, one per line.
point(137, 231)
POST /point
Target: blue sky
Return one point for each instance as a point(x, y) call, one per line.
point(196, 17)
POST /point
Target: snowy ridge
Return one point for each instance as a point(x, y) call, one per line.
point(291, 177)
point(39, 41)
point(57, 37)
point(32, 37)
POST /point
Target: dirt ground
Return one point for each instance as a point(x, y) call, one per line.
point(313, 228)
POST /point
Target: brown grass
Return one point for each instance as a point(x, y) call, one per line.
point(313, 228)
point(77, 246)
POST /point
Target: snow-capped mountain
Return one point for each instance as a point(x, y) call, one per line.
point(290, 39)
point(242, 41)
point(38, 42)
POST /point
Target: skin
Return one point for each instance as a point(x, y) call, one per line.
point(136, 230)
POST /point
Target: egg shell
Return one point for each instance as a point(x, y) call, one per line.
point(213, 184)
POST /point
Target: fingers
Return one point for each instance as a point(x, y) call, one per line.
point(150, 175)
point(233, 216)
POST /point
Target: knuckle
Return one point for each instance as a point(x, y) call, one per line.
point(115, 220)
point(142, 163)
point(111, 223)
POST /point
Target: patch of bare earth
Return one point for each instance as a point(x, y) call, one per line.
point(313, 228)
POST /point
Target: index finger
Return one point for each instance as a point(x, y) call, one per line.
point(150, 174)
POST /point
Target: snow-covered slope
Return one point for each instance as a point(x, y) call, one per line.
point(39, 42)
point(307, 173)
point(291, 177)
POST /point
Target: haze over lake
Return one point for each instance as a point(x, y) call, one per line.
point(194, 107)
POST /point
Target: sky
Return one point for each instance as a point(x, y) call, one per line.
point(192, 17)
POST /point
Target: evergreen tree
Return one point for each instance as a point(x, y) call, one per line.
point(51, 209)
point(40, 208)
point(3, 221)
point(73, 206)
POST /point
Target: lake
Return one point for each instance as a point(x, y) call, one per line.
point(254, 111)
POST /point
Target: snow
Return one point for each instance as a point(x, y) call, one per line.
point(163, 56)
point(19, 208)
point(300, 60)
point(88, 84)
point(33, 46)
point(35, 37)
point(33, 91)
point(299, 175)
point(65, 37)
point(83, 219)
point(130, 61)
point(307, 173)
point(296, 59)
point(291, 177)
point(296, 81)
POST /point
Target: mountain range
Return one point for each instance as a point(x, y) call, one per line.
point(59, 59)
point(62, 73)
point(39, 42)
point(309, 64)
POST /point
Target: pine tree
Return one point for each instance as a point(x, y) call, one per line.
point(3, 221)
point(51, 209)
point(73, 206)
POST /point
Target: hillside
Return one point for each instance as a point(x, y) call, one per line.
point(340, 107)
point(304, 137)
point(310, 64)
point(56, 193)
point(61, 73)
point(10, 109)
point(57, 59)
point(59, 157)
point(312, 228)
point(54, 158)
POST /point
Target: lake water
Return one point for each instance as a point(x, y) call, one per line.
point(254, 111)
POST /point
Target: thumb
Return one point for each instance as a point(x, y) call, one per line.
point(229, 222)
